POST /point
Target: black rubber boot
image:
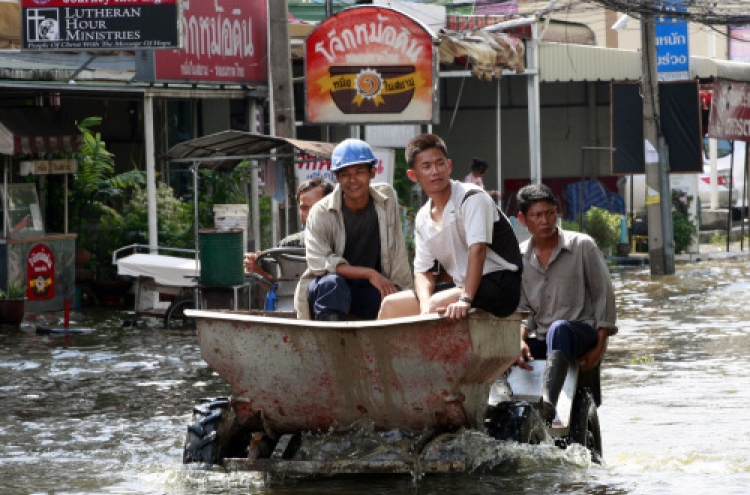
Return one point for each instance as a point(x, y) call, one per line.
point(552, 384)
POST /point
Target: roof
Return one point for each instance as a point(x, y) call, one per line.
point(233, 146)
point(564, 62)
point(36, 130)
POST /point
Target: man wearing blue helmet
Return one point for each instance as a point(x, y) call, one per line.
point(355, 249)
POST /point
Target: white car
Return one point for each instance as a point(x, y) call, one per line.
point(723, 172)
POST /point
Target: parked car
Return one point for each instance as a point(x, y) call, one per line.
point(724, 169)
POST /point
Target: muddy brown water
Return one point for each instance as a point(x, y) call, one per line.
point(105, 413)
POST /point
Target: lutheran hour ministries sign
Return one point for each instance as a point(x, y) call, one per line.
point(99, 24)
point(370, 65)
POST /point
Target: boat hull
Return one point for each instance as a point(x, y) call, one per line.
point(417, 373)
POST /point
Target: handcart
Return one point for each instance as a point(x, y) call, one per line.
point(165, 285)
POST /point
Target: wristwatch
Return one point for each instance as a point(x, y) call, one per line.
point(465, 298)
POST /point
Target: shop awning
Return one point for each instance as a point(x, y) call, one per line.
point(234, 146)
point(36, 130)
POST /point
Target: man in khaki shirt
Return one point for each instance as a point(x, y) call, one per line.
point(355, 248)
point(567, 292)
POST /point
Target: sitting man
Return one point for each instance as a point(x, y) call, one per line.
point(309, 192)
point(461, 228)
point(355, 249)
point(567, 292)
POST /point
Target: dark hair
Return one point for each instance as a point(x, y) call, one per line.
point(423, 142)
point(477, 164)
point(310, 184)
point(534, 193)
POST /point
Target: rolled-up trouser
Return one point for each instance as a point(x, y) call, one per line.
point(573, 338)
point(333, 294)
point(498, 292)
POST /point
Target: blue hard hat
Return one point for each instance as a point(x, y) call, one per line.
point(351, 152)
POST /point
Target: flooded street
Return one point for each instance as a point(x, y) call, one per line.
point(106, 412)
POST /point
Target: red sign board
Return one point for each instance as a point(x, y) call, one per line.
point(99, 24)
point(730, 111)
point(370, 65)
point(40, 273)
point(225, 41)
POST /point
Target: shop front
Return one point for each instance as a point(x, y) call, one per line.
point(38, 262)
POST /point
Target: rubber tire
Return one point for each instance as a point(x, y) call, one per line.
point(175, 319)
point(584, 424)
point(202, 443)
point(516, 421)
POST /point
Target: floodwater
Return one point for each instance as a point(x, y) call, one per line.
point(105, 412)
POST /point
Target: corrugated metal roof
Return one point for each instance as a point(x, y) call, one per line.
point(725, 69)
point(564, 62)
point(233, 146)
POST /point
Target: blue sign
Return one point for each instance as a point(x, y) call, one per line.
point(672, 53)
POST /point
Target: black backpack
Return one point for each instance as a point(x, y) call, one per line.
point(504, 242)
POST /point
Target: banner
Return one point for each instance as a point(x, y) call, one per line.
point(308, 167)
point(370, 65)
point(730, 111)
point(225, 41)
point(40, 273)
point(102, 25)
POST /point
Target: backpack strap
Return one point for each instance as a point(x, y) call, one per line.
point(504, 241)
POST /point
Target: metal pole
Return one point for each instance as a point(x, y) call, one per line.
point(498, 141)
point(729, 200)
point(148, 123)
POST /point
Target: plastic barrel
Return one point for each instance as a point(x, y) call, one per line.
point(221, 257)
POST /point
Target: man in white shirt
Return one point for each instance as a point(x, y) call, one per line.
point(461, 229)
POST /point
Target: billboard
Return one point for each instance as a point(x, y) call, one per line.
point(225, 41)
point(99, 25)
point(730, 111)
point(370, 65)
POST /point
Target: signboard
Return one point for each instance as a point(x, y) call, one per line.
point(40, 273)
point(672, 56)
point(46, 167)
point(730, 111)
point(370, 65)
point(391, 136)
point(310, 166)
point(225, 41)
point(99, 24)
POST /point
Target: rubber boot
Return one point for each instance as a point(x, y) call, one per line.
point(552, 384)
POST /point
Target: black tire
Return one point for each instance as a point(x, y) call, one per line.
point(175, 319)
point(516, 421)
point(203, 442)
point(584, 424)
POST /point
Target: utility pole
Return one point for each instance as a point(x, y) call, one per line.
point(282, 97)
point(658, 191)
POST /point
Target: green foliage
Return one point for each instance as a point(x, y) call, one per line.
point(13, 292)
point(684, 231)
point(174, 218)
point(603, 226)
point(96, 196)
point(95, 187)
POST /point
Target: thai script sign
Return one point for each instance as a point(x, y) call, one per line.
point(730, 111)
point(40, 272)
point(672, 57)
point(225, 41)
point(370, 65)
point(99, 24)
point(309, 166)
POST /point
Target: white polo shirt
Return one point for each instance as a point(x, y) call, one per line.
point(448, 242)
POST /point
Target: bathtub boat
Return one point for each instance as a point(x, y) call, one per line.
point(388, 396)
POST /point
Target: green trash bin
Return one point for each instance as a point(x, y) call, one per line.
point(221, 257)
